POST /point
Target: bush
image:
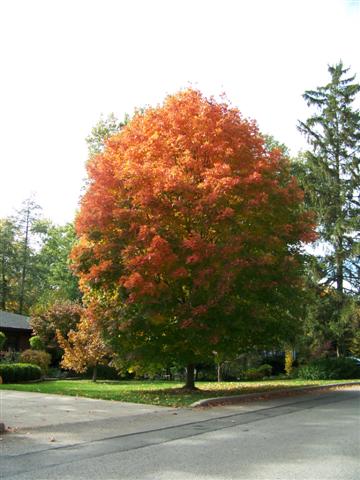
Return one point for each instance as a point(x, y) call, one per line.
point(19, 372)
point(257, 373)
point(266, 369)
point(36, 357)
point(329, 369)
point(36, 343)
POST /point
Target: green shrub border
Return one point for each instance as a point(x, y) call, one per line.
point(329, 369)
point(19, 372)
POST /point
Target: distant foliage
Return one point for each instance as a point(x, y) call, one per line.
point(34, 261)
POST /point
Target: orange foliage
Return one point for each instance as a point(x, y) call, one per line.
point(183, 203)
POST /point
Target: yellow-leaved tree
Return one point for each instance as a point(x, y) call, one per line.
point(83, 347)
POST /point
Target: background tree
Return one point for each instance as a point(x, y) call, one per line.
point(34, 261)
point(59, 282)
point(21, 279)
point(190, 236)
point(329, 174)
point(27, 222)
point(9, 255)
point(104, 129)
point(60, 316)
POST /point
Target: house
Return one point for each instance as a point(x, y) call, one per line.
point(17, 330)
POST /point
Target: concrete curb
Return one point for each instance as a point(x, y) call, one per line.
point(266, 395)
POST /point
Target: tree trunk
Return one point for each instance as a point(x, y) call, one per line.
point(3, 286)
point(24, 262)
point(339, 258)
point(219, 376)
point(94, 375)
point(190, 377)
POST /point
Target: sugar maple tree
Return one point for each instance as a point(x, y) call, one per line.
point(190, 235)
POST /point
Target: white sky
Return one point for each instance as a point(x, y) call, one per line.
point(63, 63)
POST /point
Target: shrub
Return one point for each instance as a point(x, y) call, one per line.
point(277, 363)
point(329, 369)
point(10, 356)
point(257, 373)
point(19, 372)
point(36, 343)
point(265, 369)
point(36, 357)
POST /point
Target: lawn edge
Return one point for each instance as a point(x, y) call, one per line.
point(266, 395)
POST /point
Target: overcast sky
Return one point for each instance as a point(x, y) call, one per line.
point(63, 63)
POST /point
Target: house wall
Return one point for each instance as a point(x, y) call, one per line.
point(17, 340)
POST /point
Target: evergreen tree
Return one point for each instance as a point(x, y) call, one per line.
point(331, 175)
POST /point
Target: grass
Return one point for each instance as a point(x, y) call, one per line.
point(164, 393)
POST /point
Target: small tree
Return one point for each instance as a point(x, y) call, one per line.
point(83, 347)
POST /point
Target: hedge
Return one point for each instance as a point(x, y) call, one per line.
point(19, 372)
point(329, 369)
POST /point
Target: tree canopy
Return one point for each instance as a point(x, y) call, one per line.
point(190, 234)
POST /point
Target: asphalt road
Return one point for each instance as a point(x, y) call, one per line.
point(314, 437)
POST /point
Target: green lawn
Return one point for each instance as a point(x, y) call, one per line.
point(156, 392)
